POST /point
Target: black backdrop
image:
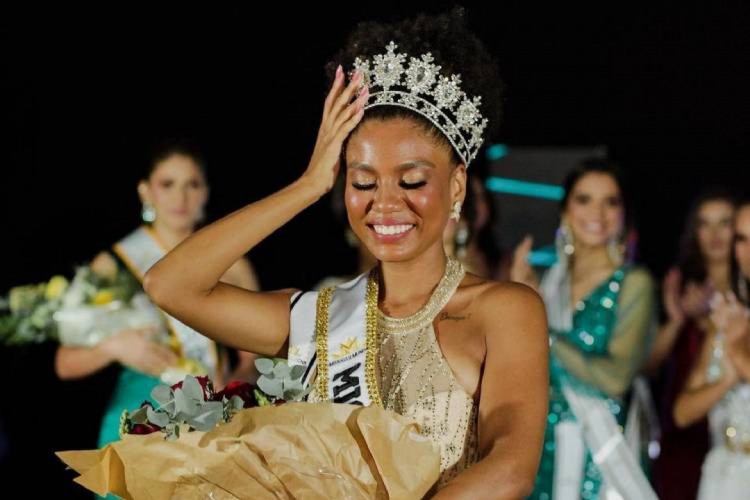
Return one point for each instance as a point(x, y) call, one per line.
point(85, 94)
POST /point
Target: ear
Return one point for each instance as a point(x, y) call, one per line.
point(144, 192)
point(458, 184)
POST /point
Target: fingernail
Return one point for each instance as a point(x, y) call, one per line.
point(339, 71)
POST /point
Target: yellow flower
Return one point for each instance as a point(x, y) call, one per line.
point(56, 287)
point(191, 366)
point(103, 297)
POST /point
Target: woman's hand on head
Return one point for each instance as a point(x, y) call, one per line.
point(136, 349)
point(340, 116)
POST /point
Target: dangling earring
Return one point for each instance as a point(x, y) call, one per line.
point(461, 240)
point(564, 240)
point(456, 211)
point(616, 250)
point(148, 212)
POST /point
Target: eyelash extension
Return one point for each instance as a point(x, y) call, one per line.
point(415, 185)
point(404, 185)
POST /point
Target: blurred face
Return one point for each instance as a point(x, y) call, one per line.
point(595, 211)
point(177, 189)
point(400, 187)
point(715, 230)
point(742, 240)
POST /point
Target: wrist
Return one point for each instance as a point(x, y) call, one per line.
point(310, 187)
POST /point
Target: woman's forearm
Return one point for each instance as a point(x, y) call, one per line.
point(197, 264)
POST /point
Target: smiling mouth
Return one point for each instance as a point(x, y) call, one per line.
point(390, 232)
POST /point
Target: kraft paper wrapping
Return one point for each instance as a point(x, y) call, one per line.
point(296, 450)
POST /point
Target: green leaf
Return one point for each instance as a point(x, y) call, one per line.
point(281, 370)
point(212, 413)
point(297, 371)
point(185, 405)
point(272, 387)
point(236, 403)
point(162, 394)
point(157, 418)
point(261, 398)
point(192, 388)
point(264, 365)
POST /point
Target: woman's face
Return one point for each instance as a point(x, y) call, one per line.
point(742, 240)
point(715, 231)
point(400, 187)
point(178, 191)
point(595, 210)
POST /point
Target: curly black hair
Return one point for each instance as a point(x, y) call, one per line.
point(453, 46)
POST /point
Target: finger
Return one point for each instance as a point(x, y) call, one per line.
point(333, 92)
point(352, 108)
point(349, 125)
point(346, 95)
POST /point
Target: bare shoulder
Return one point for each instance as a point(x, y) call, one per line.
point(506, 307)
point(492, 297)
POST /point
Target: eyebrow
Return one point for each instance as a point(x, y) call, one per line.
point(404, 166)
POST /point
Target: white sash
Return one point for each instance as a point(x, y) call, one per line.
point(328, 334)
point(596, 426)
point(140, 250)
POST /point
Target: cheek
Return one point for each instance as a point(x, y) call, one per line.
point(357, 201)
point(615, 217)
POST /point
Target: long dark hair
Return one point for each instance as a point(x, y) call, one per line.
point(740, 282)
point(690, 259)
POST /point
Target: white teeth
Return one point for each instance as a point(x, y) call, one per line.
point(401, 228)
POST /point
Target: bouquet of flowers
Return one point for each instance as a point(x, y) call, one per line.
point(82, 312)
point(244, 443)
point(193, 402)
point(26, 314)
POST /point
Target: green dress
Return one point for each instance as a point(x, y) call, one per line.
point(599, 355)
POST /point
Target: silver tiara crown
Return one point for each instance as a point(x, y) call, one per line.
point(421, 88)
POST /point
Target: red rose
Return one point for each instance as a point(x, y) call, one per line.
point(238, 388)
point(141, 429)
point(205, 383)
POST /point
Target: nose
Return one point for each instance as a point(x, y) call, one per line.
point(387, 198)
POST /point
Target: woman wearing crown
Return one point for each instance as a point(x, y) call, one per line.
point(463, 356)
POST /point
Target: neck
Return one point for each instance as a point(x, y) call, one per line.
point(718, 274)
point(168, 236)
point(591, 259)
point(406, 286)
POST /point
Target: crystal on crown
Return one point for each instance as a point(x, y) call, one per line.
point(420, 87)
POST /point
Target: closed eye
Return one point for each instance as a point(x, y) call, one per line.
point(412, 185)
point(363, 187)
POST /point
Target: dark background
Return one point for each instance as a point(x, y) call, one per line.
point(83, 95)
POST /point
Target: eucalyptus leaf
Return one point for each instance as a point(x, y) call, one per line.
point(264, 365)
point(185, 405)
point(272, 387)
point(236, 403)
point(157, 418)
point(281, 370)
point(297, 371)
point(192, 388)
point(162, 394)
